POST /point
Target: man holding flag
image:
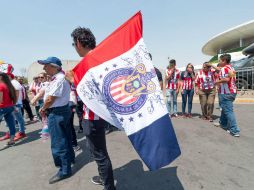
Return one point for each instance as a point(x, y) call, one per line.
point(117, 81)
point(93, 126)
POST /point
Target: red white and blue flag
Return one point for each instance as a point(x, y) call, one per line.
point(117, 81)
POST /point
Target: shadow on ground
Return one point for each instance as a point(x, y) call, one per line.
point(32, 136)
point(133, 176)
point(83, 158)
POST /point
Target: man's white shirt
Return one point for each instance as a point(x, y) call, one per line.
point(60, 88)
point(18, 87)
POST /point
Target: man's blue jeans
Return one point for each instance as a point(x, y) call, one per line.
point(185, 94)
point(60, 133)
point(171, 96)
point(9, 119)
point(18, 116)
point(227, 118)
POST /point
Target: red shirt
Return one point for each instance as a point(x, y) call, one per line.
point(173, 81)
point(187, 81)
point(88, 114)
point(7, 102)
point(229, 87)
point(205, 80)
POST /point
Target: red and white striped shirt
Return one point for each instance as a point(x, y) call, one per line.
point(172, 83)
point(230, 86)
point(205, 80)
point(187, 81)
point(88, 114)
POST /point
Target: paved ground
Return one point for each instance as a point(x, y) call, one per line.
point(211, 159)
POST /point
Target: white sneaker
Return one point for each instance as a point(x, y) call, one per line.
point(216, 124)
point(236, 135)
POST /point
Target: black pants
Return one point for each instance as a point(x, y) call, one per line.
point(79, 111)
point(26, 106)
point(73, 132)
point(95, 134)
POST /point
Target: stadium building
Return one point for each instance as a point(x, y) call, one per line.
point(231, 41)
point(238, 42)
point(35, 68)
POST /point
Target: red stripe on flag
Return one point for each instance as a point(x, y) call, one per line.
point(116, 93)
point(119, 42)
point(117, 86)
point(120, 98)
point(120, 78)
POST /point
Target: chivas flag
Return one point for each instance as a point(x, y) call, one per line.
point(118, 82)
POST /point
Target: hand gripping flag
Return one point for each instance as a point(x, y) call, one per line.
point(118, 82)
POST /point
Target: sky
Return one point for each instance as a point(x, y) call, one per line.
point(31, 29)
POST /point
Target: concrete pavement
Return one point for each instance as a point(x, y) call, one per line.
point(211, 159)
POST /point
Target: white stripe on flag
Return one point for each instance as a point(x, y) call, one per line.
point(115, 90)
point(117, 83)
point(126, 99)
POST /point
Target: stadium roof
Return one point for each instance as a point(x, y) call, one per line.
point(224, 39)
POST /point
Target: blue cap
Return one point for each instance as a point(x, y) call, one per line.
point(54, 61)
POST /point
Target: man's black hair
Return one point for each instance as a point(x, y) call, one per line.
point(172, 61)
point(226, 57)
point(84, 36)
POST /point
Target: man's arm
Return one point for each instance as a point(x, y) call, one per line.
point(1, 97)
point(168, 75)
point(161, 84)
point(17, 95)
point(69, 75)
point(223, 80)
point(213, 66)
point(37, 97)
point(164, 85)
point(48, 102)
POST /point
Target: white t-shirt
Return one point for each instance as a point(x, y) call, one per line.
point(18, 87)
point(60, 88)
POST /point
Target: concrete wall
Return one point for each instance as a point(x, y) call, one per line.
point(35, 68)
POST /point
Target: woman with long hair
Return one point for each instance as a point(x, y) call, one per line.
point(8, 99)
point(187, 79)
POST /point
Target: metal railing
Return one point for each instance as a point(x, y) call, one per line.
point(245, 78)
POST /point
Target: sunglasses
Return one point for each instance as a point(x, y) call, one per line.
point(41, 77)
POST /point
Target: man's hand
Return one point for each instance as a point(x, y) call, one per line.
point(69, 75)
point(42, 111)
point(196, 91)
point(16, 109)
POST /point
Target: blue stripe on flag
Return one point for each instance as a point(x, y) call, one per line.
point(156, 144)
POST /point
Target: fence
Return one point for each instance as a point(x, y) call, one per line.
point(245, 78)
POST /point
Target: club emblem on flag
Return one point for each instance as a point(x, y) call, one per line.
point(126, 89)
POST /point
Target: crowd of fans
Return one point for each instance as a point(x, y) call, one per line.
point(55, 101)
point(205, 83)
